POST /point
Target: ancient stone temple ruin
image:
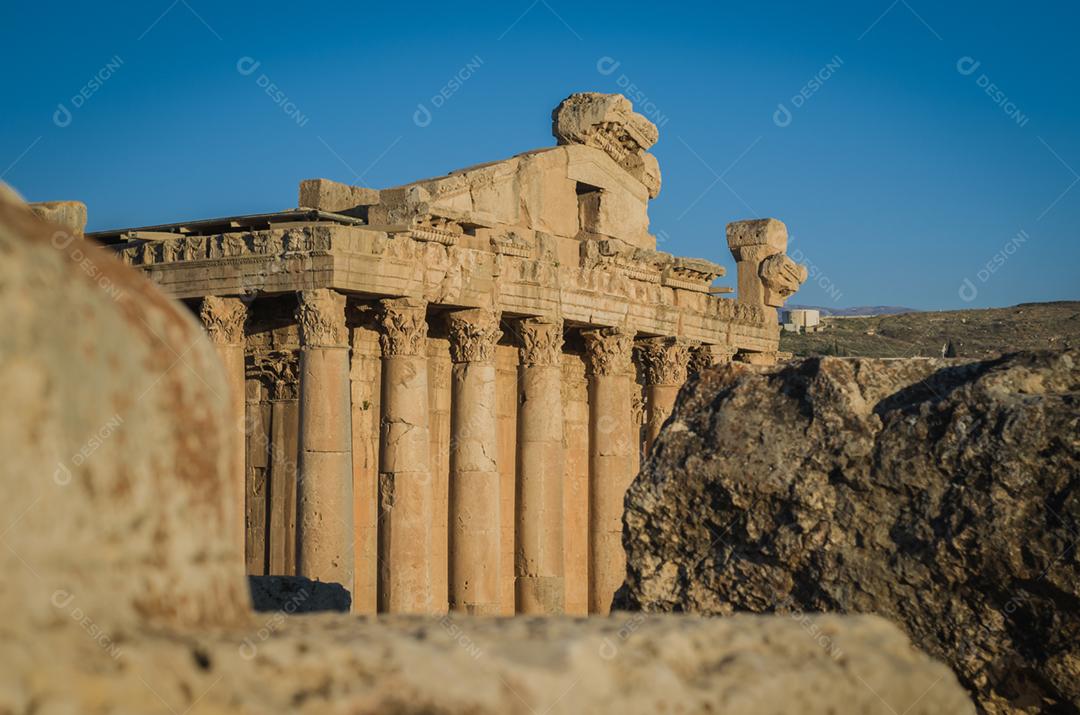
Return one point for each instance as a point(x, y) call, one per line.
point(444, 389)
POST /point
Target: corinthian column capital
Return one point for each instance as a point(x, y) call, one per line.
point(223, 319)
point(404, 323)
point(705, 356)
point(321, 315)
point(473, 335)
point(664, 360)
point(541, 341)
point(609, 351)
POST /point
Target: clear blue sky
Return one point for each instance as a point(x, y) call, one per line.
point(898, 174)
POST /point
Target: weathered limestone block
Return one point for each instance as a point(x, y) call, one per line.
point(608, 122)
point(474, 472)
point(118, 444)
point(457, 665)
point(335, 197)
point(325, 536)
point(69, 214)
point(766, 276)
point(942, 495)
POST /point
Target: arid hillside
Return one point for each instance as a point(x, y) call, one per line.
point(973, 333)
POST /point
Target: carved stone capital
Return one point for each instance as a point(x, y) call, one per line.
point(321, 316)
point(473, 335)
point(404, 324)
point(279, 370)
point(541, 341)
point(223, 319)
point(705, 356)
point(609, 351)
point(664, 360)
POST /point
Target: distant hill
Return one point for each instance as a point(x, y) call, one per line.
point(858, 310)
point(973, 333)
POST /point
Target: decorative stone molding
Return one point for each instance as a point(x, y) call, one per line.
point(664, 360)
point(781, 277)
point(279, 370)
point(473, 335)
point(436, 229)
point(223, 319)
point(404, 324)
point(693, 274)
point(321, 316)
point(541, 341)
point(608, 122)
point(609, 351)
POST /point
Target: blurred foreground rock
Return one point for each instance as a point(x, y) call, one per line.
point(747, 665)
point(942, 495)
point(123, 591)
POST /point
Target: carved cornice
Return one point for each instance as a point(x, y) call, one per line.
point(473, 335)
point(223, 319)
point(321, 316)
point(404, 324)
point(541, 341)
point(279, 370)
point(664, 360)
point(609, 351)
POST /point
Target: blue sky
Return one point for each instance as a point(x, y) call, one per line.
point(921, 154)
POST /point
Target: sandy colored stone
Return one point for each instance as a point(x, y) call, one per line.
point(325, 533)
point(117, 500)
point(745, 665)
point(70, 215)
point(335, 197)
point(475, 495)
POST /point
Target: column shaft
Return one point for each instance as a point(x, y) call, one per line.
point(406, 494)
point(324, 527)
point(612, 444)
point(474, 473)
point(665, 363)
point(224, 321)
point(539, 584)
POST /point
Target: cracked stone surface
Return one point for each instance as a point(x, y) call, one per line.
point(942, 495)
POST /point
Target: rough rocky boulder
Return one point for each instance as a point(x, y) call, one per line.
point(944, 496)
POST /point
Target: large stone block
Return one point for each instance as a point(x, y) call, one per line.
point(117, 438)
point(335, 197)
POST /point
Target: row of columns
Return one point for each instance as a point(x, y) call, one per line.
point(406, 495)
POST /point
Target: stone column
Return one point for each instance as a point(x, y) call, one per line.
point(474, 470)
point(664, 362)
point(224, 321)
point(538, 509)
point(612, 444)
point(324, 530)
point(406, 500)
